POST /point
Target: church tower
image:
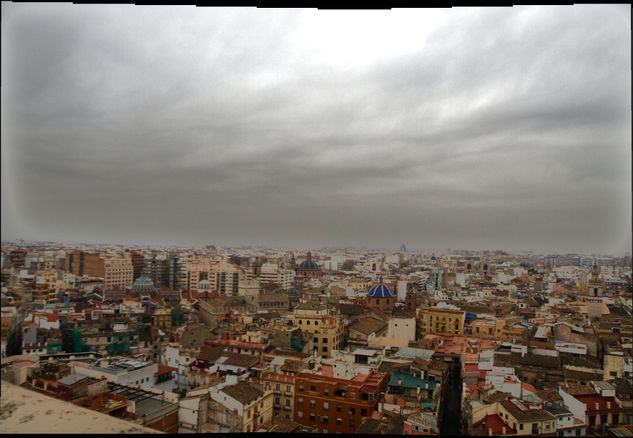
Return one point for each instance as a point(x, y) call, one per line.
point(594, 289)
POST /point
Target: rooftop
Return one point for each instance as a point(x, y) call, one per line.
point(244, 392)
point(25, 411)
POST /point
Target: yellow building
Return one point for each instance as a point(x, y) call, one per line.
point(162, 319)
point(440, 320)
point(325, 327)
point(501, 329)
point(283, 387)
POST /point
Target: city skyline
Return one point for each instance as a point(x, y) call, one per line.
point(473, 128)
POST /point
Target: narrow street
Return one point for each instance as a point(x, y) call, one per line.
point(451, 414)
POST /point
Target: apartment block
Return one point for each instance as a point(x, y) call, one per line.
point(440, 320)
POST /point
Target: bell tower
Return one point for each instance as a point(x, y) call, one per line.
point(594, 299)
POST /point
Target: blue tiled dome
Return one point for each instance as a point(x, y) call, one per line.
point(204, 285)
point(308, 264)
point(380, 291)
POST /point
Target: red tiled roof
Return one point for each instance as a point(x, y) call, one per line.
point(279, 378)
point(495, 423)
point(591, 400)
point(471, 367)
point(164, 369)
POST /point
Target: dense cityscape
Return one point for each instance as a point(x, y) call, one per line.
point(253, 219)
point(218, 339)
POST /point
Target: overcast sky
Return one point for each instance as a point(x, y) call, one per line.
point(482, 128)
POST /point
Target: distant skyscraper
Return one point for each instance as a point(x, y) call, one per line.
point(403, 248)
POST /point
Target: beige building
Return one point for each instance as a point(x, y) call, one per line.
point(518, 418)
point(613, 365)
point(271, 273)
point(326, 328)
point(401, 326)
point(241, 407)
point(118, 271)
point(203, 268)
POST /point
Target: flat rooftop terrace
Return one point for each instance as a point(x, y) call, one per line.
point(26, 411)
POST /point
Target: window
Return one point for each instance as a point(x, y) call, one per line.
point(325, 340)
point(351, 423)
point(300, 401)
point(299, 414)
point(520, 427)
point(316, 322)
point(288, 402)
point(312, 404)
point(316, 340)
point(300, 321)
point(339, 421)
point(312, 417)
point(363, 412)
point(352, 411)
point(326, 406)
point(339, 408)
point(308, 322)
point(324, 419)
point(300, 388)
point(324, 349)
point(312, 388)
point(326, 391)
point(277, 401)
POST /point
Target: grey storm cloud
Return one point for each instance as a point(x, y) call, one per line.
point(503, 128)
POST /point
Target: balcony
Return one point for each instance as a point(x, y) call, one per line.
point(287, 408)
point(288, 393)
point(277, 406)
point(277, 391)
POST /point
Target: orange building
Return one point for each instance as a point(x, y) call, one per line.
point(325, 400)
point(80, 263)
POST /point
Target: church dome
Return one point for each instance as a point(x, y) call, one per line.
point(308, 263)
point(380, 291)
point(143, 284)
point(204, 285)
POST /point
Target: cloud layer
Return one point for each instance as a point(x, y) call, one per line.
point(467, 128)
